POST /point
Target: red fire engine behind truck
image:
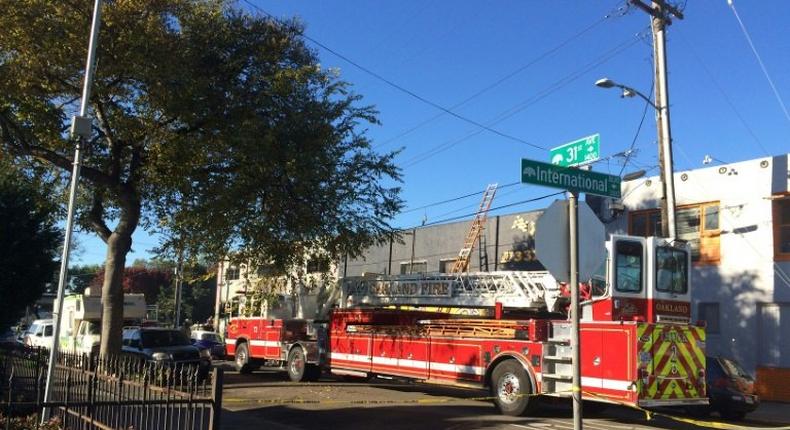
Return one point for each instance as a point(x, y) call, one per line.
point(638, 345)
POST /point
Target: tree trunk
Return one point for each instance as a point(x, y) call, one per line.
point(118, 245)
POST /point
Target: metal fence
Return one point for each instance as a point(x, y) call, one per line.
point(121, 392)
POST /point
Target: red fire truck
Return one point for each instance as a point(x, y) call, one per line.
point(638, 345)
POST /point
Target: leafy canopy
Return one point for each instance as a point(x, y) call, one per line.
point(218, 128)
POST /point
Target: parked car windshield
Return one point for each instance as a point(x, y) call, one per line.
point(733, 368)
point(210, 337)
point(157, 338)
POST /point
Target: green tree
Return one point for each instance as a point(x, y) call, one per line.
point(216, 127)
point(197, 296)
point(29, 243)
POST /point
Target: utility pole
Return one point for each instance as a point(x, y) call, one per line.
point(660, 13)
point(179, 278)
point(81, 129)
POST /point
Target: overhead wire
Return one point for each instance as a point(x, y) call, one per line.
point(455, 218)
point(404, 89)
point(638, 130)
point(727, 99)
point(759, 60)
point(519, 107)
point(454, 199)
point(499, 81)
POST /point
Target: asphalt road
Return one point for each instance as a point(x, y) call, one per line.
point(268, 400)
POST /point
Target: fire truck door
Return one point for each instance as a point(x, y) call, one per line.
point(413, 356)
point(592, 357)
point(384, 352)
point(350, 350)
point(455, 360)
point(272, 337)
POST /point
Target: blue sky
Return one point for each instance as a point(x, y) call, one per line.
point(447, 51)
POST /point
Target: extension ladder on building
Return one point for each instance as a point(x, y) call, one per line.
point(529, 290)
point(478, 224)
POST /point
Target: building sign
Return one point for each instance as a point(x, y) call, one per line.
point(520, 253)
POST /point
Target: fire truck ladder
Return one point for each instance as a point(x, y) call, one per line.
point(529, 290)
point(478, 224)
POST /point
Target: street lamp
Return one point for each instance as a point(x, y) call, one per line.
point(627, 91)
point(664, 154)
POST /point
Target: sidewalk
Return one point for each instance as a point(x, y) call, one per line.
point(771, 412)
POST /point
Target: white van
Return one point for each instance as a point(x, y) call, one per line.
point(39, 334)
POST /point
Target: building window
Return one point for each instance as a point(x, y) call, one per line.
point(645, 223)
point(268, 270)
point(446, 265)
point(709, 312)
point(696, 224)
point(317, 265)
point(699, 226)
point(782, 228)
point(232, 273)
point(416, 267)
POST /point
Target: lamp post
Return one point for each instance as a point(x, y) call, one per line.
point(668, 226)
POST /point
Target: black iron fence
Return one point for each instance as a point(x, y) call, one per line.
point(122, 392)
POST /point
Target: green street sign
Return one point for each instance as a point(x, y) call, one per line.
point(581, 151)
point(582, 181)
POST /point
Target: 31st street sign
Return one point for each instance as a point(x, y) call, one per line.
point(580, 151)
point(582, 181)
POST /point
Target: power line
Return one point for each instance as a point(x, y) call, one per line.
point(442, 221)
point(499, 81)
point(638, 130)
point(556, 86)
point(759, 60)
point(403, 89)
point(727, 99)
point(476, 193)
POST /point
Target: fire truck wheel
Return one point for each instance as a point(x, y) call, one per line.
point(243, 358)
point(298, 368)
point(511, 388)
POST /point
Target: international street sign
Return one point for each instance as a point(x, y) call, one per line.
point(552, 240)
point(582, 181)
point(581, 151)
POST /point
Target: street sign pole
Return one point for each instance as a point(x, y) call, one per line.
point(576, 386)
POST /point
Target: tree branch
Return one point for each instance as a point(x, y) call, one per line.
point(96, 218)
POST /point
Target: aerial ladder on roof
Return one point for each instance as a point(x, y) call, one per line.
point(534, 290)
point(478, 224)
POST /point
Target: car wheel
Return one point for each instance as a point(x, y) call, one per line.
point(298, 368)
point(242, 358)
point(511, 388)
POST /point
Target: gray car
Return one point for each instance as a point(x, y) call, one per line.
point(164, 346)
